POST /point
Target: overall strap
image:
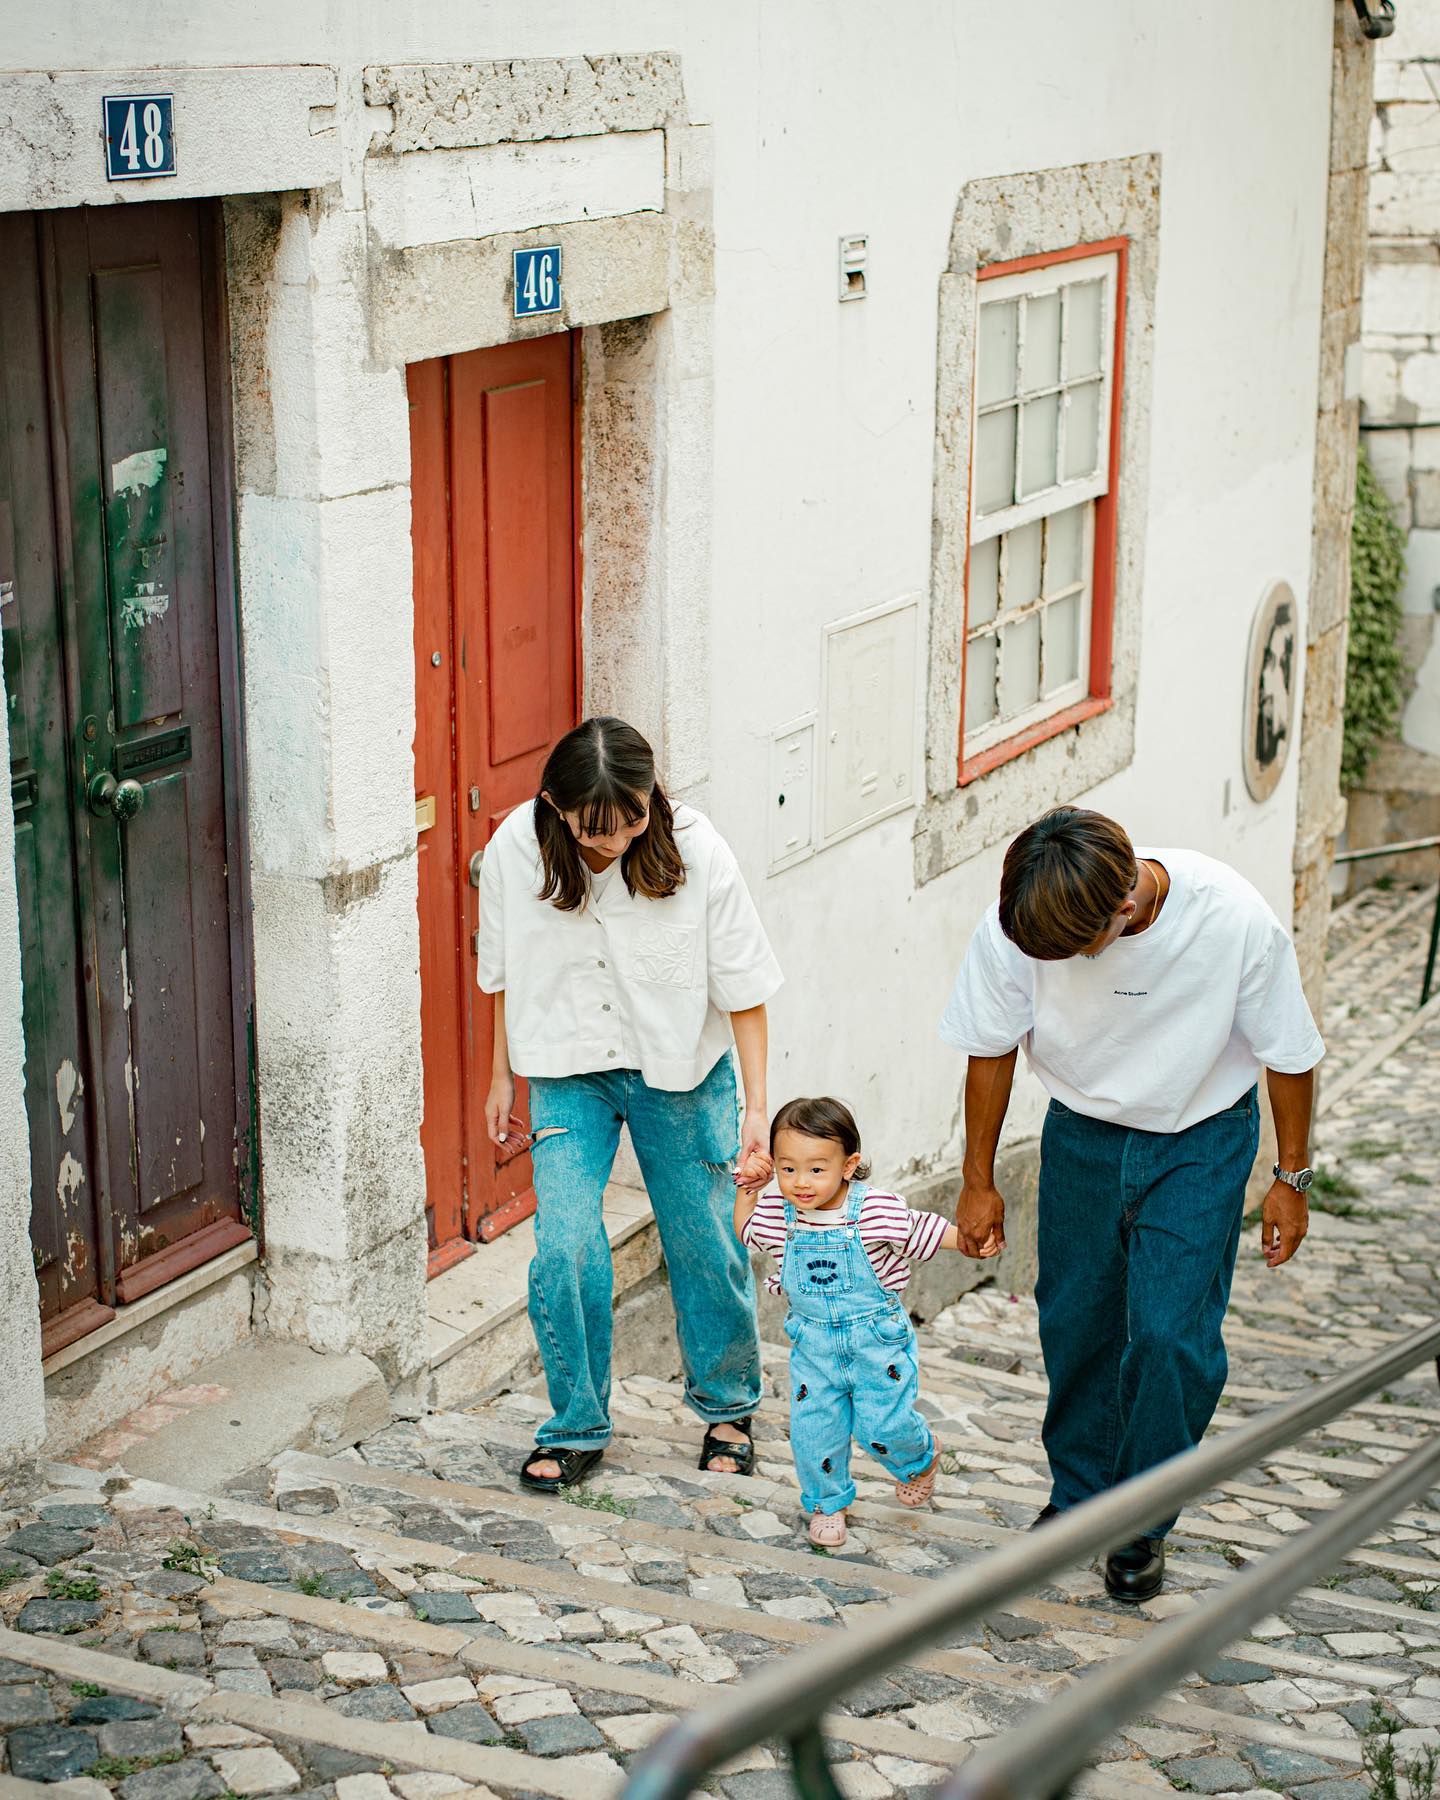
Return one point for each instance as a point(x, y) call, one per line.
point(854, 1201)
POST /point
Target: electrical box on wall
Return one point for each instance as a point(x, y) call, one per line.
point(869, 718)
point(854, 255)
point(792, 793)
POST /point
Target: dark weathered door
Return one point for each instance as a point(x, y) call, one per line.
point(120, 665)
point(495, 674)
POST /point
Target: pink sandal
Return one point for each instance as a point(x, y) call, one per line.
point(827, 1530)
point(920, 1488)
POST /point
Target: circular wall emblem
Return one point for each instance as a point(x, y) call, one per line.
point(1271, 671)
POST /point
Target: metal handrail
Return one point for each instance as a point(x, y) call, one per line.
point(1370, 854)
point(789, 1700)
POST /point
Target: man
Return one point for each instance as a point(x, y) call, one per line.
point(1148, 991)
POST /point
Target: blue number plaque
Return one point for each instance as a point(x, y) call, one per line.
point(139, 136)
point(537, 281)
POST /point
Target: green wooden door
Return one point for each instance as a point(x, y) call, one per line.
point(120, 669)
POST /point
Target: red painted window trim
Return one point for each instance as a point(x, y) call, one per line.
point(1102, 599)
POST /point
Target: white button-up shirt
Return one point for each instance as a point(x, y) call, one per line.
point(626, 982)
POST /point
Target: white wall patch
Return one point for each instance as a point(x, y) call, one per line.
point(869, 718)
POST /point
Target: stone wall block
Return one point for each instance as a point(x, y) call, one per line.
point(460, 105)
point(1404, 205)
point(1403, 297)
point(1420, 383)
point(1425, 490)
point(1390, 454)
point(1411, 146)
point(1329, 603)
point(1380, 387)
point(1425, 447)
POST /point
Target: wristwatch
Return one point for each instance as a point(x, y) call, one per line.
point(1299, 1179)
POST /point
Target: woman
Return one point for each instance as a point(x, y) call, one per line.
point(625, 953)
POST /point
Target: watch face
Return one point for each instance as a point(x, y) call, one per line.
point(1303, 1180)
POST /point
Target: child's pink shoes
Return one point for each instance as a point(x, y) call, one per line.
point(920, 1488)
point(828, 1530)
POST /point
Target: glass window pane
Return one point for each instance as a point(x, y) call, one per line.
point(1020, 666)
point(1041, 356)
point(995, 461)
point(998, 330)
point(979, 683)
point(984, 585)
point(1064, 547)
point(1084, 312)
point(1062, 643)
point(1082, 431)
point(1022, 565)
point(1041, 428)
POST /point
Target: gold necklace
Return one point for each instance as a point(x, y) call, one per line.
point(1155, 903)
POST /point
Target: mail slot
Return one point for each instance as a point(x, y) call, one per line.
point(159, 752)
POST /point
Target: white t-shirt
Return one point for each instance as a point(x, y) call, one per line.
point(626, 982)
point(1160, 1030)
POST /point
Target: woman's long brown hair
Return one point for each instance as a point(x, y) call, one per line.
point(604, 770)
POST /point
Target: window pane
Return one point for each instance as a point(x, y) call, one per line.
point(995, 461)
point(984, 582)
point(1084, 310)
point(1042, 420)
point(1020, 666)
point(1064, 547)
point(1022, 565)
point(1062, 643)
point(1082, 431)
point(996, 379)
point(979, 683)
point(1042, 342)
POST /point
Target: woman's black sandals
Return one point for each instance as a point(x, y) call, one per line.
point(742, 1455)
point(574, 1465)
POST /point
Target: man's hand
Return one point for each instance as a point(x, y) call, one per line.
point(1284, 1220)
point(980, 1220)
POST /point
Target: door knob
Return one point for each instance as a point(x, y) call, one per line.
point(475, 862)
point(122, 799)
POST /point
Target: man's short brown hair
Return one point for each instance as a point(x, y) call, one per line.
point(1065, 878)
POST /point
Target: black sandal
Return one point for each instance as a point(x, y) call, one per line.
point(574, 1465)
point(742, 1455)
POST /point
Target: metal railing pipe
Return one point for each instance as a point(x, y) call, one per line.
point(797, 1691)
point(1036, 1759)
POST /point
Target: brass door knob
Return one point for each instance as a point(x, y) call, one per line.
point(121, 799)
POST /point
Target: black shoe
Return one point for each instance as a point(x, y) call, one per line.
point(1043, 1517)
point(1136, 1571)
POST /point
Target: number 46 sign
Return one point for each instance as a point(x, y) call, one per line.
point(537, 281)
point(139, 136)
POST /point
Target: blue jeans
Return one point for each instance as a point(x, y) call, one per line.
point(853, 1366)
point(685, 1143)
point(1138, 1236)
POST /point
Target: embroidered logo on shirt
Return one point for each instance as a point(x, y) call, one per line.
point(663, 954)
point(1131, 993)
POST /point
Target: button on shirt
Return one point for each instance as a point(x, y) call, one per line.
point(1160, 1030)
point(626, 982)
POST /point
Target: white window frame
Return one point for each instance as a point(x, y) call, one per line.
point(1059, 497)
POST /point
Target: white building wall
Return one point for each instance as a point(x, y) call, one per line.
point(803, 494)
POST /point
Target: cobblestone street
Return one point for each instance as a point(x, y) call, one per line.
point(399, 1620)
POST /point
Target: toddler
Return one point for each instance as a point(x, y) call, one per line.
point(842, 1255)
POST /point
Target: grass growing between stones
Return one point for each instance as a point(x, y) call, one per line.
point(1334, 1184)
point(65, 1586)
point(118, 1768)
point(593, 1502)
point(186, 1557)
point(88, 1690)
point(1388, 1771)
point(10, 1572)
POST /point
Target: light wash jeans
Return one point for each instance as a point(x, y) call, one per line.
point(685, 1143)
point(854, 1372)
point(1138, 1236)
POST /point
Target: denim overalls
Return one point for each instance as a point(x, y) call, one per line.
point(853, 1370)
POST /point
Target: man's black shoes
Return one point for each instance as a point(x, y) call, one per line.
point(1043, 1517)
point(1136, 1571)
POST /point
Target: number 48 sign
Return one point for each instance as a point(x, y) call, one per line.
point(139, 136)
point(537, 281)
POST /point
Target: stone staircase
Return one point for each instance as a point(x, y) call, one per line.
point(401, 1620)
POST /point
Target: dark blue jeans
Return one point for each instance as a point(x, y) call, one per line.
point(1138, 1236)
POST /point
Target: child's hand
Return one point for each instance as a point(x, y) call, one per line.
point(754, 1172)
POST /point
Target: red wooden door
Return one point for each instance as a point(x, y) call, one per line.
point(493, 496)
point(120, 658)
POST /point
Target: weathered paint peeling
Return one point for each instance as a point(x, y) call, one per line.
point(146, 602)
point(125, 986)
point(141, 470)
point(69, 1181)
point(69, 1090)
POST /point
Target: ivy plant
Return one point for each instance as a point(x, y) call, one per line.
point(1375, 670)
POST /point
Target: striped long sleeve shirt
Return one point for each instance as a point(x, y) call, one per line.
point(894, 1234)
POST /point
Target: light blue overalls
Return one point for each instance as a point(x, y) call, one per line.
point(853, 1367)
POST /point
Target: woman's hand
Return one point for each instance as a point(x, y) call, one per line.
point(499, 1103)
point(753, 1165)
